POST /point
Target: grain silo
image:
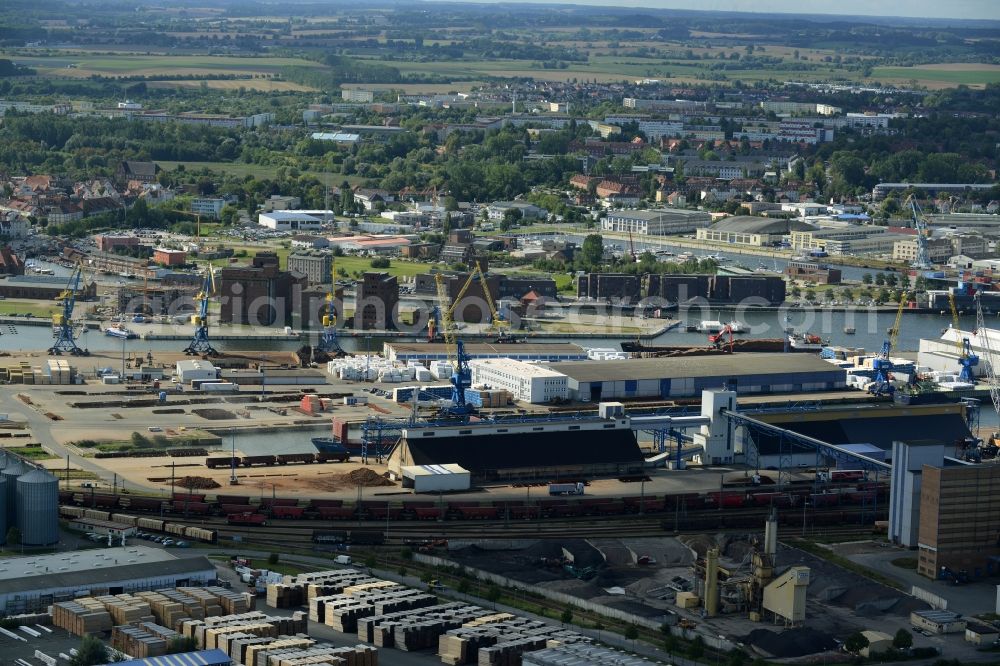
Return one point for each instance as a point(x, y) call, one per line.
point(15, 468)
point(38, 508)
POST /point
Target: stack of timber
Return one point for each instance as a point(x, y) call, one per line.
point(81, 617)
point(501, 642)
point(419, 629)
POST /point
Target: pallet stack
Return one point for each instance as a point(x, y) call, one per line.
point(81, 617)
point(280, 595)
point(342, 611)
point(171, 606)
point(126, 609)
point(582, 654)
point(359, 655)
point(220, 601)
point(298, 590)
point(208, 631)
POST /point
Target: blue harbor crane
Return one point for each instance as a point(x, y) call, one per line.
point(200, 344)
point(328, 342)
point(62, 322)
point(882, 384)
point(923, 258)
point(967, 360)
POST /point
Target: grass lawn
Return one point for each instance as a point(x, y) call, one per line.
point(926, 75)
point(84, 65)
point(346, 266)
point(36, 308)
point(30, 452)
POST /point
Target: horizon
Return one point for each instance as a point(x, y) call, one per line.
point(964, 10)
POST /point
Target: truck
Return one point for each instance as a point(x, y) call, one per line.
point(219, 387)
point(342, 559)
point(356, 400)
point(566, 488)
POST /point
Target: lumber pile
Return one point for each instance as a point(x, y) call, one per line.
point(143, 640)
point(497, 641)
point(582, 654)
point(82, 616)
point(324, 655)
point(342, 611)
point(297, 590)
point(208, 632)
point(418, 629)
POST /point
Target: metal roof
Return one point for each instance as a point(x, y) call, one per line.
point(695, 366)
point(749, 224)
point(474, 348)
point(199, 658)
point(83, 578)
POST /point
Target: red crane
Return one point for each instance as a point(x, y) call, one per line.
point(718, 339)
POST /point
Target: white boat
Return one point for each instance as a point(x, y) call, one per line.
point(805, 342)
point(120, 331)
point(715, 326)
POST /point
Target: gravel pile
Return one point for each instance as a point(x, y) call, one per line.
point(197, 483)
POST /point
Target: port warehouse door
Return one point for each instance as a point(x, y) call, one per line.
point(631, 386)
point(595, 391)
point(664, 388)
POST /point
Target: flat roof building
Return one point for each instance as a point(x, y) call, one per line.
point(527, 382)
point(749, 230)
point(403, 352)
point(287, 220)
point(688, 376)
point(659, 222)
point(33, 583)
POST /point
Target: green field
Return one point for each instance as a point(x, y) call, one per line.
point(927, 76)
point(36, 308)
point(345, 265)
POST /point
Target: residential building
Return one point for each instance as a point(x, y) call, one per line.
point(209, 207)
point(13, 225)
point(658, 222)
point(755, 231)
point(283, 220)
point(316, 266)
point(357, 95)
point(372, 199)
point(280, 202)
point(10, 263)
point(882, 190)
point(527, 382)
point(377, 302)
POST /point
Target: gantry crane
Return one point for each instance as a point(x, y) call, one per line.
point(200, 344)
point(966, 359)
point(63, 322)
point(982, 334)
point(882, 365)
point(328, 341)
point(197, 220)
point(923, 258)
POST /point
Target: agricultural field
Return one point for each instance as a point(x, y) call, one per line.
point(944, 75)
point(259, 85)
point(85, 65)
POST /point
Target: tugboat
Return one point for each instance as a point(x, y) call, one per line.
point(119, 331)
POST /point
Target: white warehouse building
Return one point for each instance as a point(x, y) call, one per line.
point(190, 370)
point(659, 222)
point(288, 220)
point(527, 382)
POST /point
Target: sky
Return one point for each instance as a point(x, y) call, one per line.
point(957, 9)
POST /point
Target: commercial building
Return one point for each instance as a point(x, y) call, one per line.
point(29, 584)
point(259, 294)
point(549, 450)
point(189, 370)
point(43, 287)
point(847, 240)
point(316, 266)
point(608, 285)
point(498, 209)
point(813, 272)
point(663, 378)
point(659, 222)
point(682, 288)
point(357, 95)
point(959, 517)
point(166, 257)
point(939, 250)
point(404, 352)
point(527, 382)
point(938, 621)
point(285, 220)
point(377, 302)
point(109, 243)
point(210, 207)
point(157, 300)
point(435, 478)
point(755, 231)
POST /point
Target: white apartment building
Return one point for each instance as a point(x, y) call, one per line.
point(527, 382)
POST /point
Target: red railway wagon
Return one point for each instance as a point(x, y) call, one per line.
point(191, 497)
point(317, 503)
point(648, 505)
point(279, 501)
point(232, 499)
point(379, 512)
point(479, 512)
point(65, 497)
point(227, 509)
point(525, 512)
point(427, 513)
point(726, 500)
point(248, 519)
point(825, 499)
point(782, 500)
point(860, 496)
point(568, 510)
point(194, 508)
point(287, 512)
point(101, 501)
point(142, 503)
point(337, 512)
point(611, 508)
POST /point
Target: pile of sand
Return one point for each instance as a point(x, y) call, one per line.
point(362, 477)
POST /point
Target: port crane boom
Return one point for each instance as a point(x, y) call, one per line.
point(63, 322)
point(328, 341)
point(923, 259)
point(982, 333)
point(200, 344)
point(461, 376)
point(882, 365)
point(966, 359)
